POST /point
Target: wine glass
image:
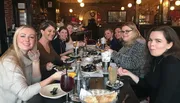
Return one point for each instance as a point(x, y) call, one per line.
point(67, 84)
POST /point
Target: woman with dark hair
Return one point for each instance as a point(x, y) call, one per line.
point(131, 56)
point(162, 82)
point(59, 43)
point(48, 56)
point(111, 41)
point(118, 37)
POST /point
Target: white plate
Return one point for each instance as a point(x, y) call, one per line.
point(120, 84)
point(46, 91)
point(70, 61)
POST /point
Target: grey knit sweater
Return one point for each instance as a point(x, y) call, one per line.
point(131, 57)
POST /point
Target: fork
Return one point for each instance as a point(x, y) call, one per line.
point(125, 98)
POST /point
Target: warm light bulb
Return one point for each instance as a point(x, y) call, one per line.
point(130, 5)
point(172, 8)
point(80, 1)
point(122, 8)
point(177, 3)
point(81, 4)
point(70, 10)
point(138, 1)
point(80, 18)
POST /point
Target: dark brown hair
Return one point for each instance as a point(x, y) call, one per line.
point(64, 28)
point(171, 36)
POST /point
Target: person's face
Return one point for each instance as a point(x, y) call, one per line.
point(128, 34)
point(118, 33)
point(157, 43)
point(49, 33)
point(63, 34)
point(26, 39)
point(70, 29)
point(108, 34)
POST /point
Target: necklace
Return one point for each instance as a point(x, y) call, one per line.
point(156, 64)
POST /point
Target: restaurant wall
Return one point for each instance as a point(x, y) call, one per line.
point(101, 8)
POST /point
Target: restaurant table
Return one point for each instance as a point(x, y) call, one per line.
point(96, 83)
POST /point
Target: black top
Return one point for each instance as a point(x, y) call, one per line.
point(59, 45)
point(116, 44)
point(162, 83)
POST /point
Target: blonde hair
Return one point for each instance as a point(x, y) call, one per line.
point(135, 32)
point(15, 51)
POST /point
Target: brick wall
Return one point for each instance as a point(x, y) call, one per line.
point(8, 7)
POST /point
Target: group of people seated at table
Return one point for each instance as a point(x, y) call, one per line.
point(26, 66)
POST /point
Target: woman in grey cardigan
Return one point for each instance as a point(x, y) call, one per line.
point(20, 73)
point(131, 55)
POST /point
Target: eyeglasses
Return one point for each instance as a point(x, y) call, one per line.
point(126, 31)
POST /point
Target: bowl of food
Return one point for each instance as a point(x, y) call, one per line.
point(88, 68)
point(100, 96)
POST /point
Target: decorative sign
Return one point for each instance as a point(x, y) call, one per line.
point(49, 4)
point(21, 5)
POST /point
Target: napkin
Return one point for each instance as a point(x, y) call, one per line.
point(84, 93)
point(106, 56)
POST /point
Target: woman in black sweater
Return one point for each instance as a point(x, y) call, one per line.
point(162, 82)
point(59, 43)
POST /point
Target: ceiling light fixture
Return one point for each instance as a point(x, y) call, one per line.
point(82, 4)
point(130, 5)
point(70, 10)
point(138, 1)
point(177, 3)
point(80, 1)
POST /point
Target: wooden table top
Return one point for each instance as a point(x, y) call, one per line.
point(96, 83)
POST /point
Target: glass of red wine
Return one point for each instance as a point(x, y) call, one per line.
point(67, 84)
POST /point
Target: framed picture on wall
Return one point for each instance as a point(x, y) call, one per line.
point(116, 16)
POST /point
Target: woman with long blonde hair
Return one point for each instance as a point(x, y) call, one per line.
point(19, 65)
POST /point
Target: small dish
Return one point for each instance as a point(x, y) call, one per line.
point(117, 85)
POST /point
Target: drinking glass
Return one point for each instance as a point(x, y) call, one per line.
point(67, 84)
point(112, 75)
point(75, 44)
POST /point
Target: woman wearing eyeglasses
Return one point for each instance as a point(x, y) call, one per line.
point(131, 55)
point(162, 82)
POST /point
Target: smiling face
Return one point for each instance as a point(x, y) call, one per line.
point(48, 33)
point(63, 34)
point(128, 34)
point(70, 29)
point(158, 44)
point(108, 34)
point(26, 39)
point(118, 33)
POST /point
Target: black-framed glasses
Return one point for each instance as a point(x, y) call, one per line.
point(126, 31)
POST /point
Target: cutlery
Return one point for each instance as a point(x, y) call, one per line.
point(125, 98)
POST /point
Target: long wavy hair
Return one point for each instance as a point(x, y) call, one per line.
point(14, 49)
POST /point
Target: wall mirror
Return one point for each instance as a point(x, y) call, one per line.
point(116, 16)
